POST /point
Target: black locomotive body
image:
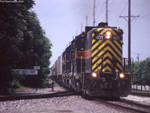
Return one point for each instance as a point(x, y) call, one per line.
point(92, 63)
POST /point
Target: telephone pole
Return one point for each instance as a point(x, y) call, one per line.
point(138, 57)
point(86, 20)
point(129, 32)
point(81, 27)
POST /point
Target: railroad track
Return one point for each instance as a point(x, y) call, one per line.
point(126, 105)
point(140, 94)
point(36, 96)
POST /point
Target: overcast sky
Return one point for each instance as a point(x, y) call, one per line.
point(62, 19)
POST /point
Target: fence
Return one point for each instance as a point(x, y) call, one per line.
point(141, 87)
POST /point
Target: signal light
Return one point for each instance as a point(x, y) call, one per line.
point(122, 75)
point(108, 35)
point(117, 70)
point(94, 75)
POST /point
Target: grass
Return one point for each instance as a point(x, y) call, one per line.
point(139, 91)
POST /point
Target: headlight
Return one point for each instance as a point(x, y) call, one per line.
point(108, 35)
point(94, 75)
point(122, 75)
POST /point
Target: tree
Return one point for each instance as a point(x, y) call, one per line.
point(141, 72)
point(12, 24)
point(146, 72)
point(22, 43)
point(36, 48)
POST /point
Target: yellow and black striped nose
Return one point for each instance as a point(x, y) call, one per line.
point(106, 54)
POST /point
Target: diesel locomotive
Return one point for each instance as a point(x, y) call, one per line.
point(93, 63)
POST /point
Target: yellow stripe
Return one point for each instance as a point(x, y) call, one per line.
point(120, 47)
point(107, 62)
point(96, 44)
point(96, 57)
point(99, 29)
point(96, 64)
point(93, 34)
point(107, 68)
point(101, 33)
point(115, 47)
point(110, 63)
point(100, 67)
point(93, 41)
point(99, 48)
point(107, 54)
point(121, 42)
point(114, 33)
point(117, 30)
point(119, 66)
point(108, 48)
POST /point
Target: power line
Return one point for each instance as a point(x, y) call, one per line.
point(121, 12)
point(146, 15)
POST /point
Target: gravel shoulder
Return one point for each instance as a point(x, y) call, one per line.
point(64, 104)
point(139, 99)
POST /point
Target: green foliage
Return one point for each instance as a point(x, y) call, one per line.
point(23, 44)
point(141, 72)
point(146, 72)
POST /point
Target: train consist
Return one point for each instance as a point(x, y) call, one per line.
point(93, 63)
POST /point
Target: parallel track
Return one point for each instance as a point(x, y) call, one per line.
point(140, 94)
point(36, 96)
point(127, 105)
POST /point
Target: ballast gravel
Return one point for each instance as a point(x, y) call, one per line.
point(69, 104)
point(139, 99)
point(64, 104)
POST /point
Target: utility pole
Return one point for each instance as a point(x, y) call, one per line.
point(106, 11)
point(86, 20)
point(81, 27)
point(138, 57)
point(94, 14)
point(129, 32)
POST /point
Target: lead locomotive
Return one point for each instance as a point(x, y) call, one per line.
point(93, 63)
